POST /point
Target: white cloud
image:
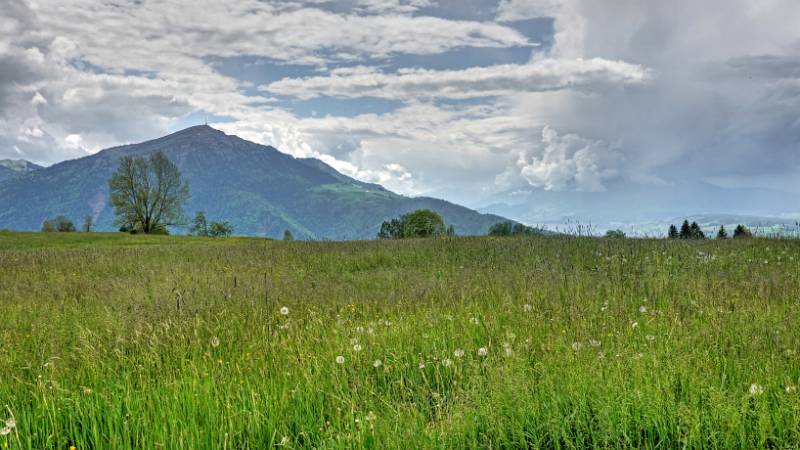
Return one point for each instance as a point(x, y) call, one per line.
point(569, 162)
point(407, 84)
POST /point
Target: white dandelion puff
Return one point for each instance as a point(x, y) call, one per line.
point(421, 365)
point(634, 324)
point(594, 342)
point(474, 320)
point(447, 362)
point(377, 363)
point(643, 309)
point(791, 389)
point(5, 431)
point(756, 389)
point(526, 307)
point(576, 346)
point(458, 353)
point(285, 311)
point(215, 341)
point(340, 359)
point(357, 348)
point(650, 337)
point(483, 351)
point(11, 423)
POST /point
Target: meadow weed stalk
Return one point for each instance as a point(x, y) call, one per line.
point(111, 341)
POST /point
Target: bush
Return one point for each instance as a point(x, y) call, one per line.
point(220, 229)
point(512, 229)
point(615, 234)
point(59, 224)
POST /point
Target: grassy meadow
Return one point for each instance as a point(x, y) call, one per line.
point(110, 341)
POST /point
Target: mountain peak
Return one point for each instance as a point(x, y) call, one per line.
point(199, 130)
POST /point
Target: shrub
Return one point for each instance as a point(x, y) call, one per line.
point(59, 224)
point(220, 229)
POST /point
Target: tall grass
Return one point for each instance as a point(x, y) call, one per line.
point(110, 341)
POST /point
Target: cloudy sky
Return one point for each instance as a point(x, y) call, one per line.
point(462, 99)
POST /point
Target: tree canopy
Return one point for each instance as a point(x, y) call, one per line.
point(512, 229)
point(417, 224)
point(148, 194)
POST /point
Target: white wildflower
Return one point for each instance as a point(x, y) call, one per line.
point(285, 311)
point(756, 389)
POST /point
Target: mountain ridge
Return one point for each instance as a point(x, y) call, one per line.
point(258, 188)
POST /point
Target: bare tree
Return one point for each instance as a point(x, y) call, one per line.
point(148, 193)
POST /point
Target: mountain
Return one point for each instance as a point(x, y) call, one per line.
point(258, 189)
point(12, 168)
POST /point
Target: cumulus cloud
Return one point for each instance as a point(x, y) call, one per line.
point(562, 162)
point(507, 79)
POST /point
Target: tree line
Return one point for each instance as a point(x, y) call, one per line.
point(693, 231)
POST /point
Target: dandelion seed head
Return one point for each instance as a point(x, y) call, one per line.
point(421, 365)
point(5, 431)
point(756, 389)
point(377, 363)
point(643, 309)
point(458, 353)
point(447, 362)
point(357, 348)
point(474, 320)
point(791, 389)
point(576, 346)
point(215, 341)
point(340, 359)
point(634, 324)
point(594, 342)
point(483, 351)
point(526, 307)
point(285, 311)
point(650, 337)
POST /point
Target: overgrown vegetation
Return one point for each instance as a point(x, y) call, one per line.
point(543, 342)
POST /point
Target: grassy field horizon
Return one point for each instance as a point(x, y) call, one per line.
point(115, 341)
